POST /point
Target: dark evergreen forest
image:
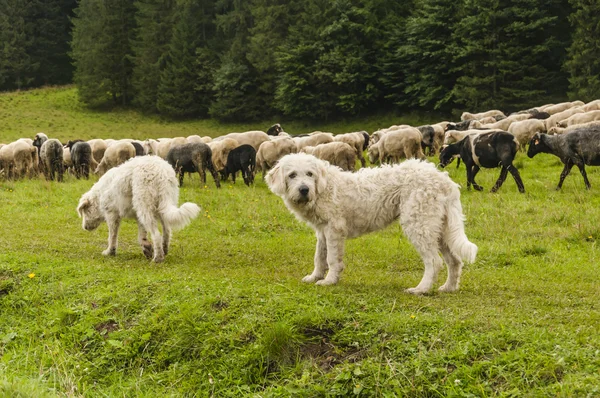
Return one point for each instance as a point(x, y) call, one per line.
point(240, 60)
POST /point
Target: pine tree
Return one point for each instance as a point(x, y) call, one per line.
point(101, 50)
point(17, 69)
point(181, 93)
point(425, 54)
point(583, 63)
point(236, 87)
point(155, 25)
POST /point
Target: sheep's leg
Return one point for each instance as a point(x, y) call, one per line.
point(515, 173)
point(335, 257)
point(181, 173)
point(454, 269)
point(469, 172)
point(113, 221)
point(564, 174)
point(233, 176)
point(143, 241)
point(584, 174)
point(361, 158)
point(320, 260)
point(474, 172)
point(501, 179)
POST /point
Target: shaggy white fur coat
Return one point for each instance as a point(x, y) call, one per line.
point(340, 205)
point(144, 188)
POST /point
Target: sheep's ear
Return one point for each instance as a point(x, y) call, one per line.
point(83, 204)
point(275, 180)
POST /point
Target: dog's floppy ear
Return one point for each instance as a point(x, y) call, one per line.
point(275, 180)
point(83, 204)
point(322, 176)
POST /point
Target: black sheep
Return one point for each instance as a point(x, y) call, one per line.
point(139, 149)
point(428, 134)
point(275, 129)
point(81, 156)
point(489, 150)
point(578, 147)
point(459, 126)
point(242, 158)
point(190, 158)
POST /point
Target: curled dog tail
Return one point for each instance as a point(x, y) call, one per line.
point(177, 218)
point(454, 233)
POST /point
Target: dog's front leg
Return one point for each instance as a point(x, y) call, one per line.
point(113, 222)
point(320, 260)
point(335, 258)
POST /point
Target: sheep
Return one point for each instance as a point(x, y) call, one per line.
point(82, 159)
point(51, 158)
point(453, 136)
point(578, 147)
point(6, 161)
point(337, 153)
point(537, 114)
point(580, 118)
point(488, 149)
point(397, 144)
point(271, 151)
point(220, 149)
point(38, 140)
point(67, 161)
point(314, 139)
point(116, 154)
point(242, 158)
point(553, 120)
point(558, 108)
point(274, 129)
point(427, 142)
point(254, 138)
point(503, 124)
point(139, 148)
point(190, 158)
point(165, 145)
point(377, 135)
point(476, 116)
point(356, 141)
point(438, 138)
point(526, 129)
point(98, 148)
point(591, 106)
point(460, 126)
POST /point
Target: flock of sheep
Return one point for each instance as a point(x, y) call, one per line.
point(569, 130)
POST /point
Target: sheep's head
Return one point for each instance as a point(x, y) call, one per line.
point(89, 211)
point(373, 153)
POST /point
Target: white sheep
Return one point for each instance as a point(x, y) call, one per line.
point(481, 115)
point(525, 130)
point(580, 118)
point(220, 150)
point(98, 146)
point(553, 120)
point(591, 106)
point(116, 154)
point(254, 138)
point(397, 144)
point(337, 153)
point(313, 139)
point(558, 108)
point(165, 145)
point(271, 151)
point(453, 136)
point(355, 140)
point(376, 136)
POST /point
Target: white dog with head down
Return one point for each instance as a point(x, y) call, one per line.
point(144, 188)
point(340, 205)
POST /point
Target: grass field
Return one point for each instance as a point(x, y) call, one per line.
point(226, 314)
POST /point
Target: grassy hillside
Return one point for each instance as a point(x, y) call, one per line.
point(226, 315)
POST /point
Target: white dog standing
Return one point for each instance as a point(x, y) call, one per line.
point(340, 205)
point(144, 188)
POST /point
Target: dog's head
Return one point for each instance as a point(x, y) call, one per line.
point(89, 211)
point(299, 178)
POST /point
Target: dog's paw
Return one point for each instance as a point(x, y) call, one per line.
point(109, 252)
point(327, 281)
point(448, 288)
point(416, 292)
point(148, 251)
point(311, 278)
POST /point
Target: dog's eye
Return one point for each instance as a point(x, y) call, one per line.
point(292, 176)
point(309, 174)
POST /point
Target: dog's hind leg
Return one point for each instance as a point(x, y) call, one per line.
point(143, 241)
point(335, 257)
point(320, 260)
point(149, 224)
point(113, 221)
point(454, 269)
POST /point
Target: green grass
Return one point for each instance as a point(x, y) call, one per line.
point(226, 314)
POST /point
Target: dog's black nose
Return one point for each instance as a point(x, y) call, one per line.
point(303, 190)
